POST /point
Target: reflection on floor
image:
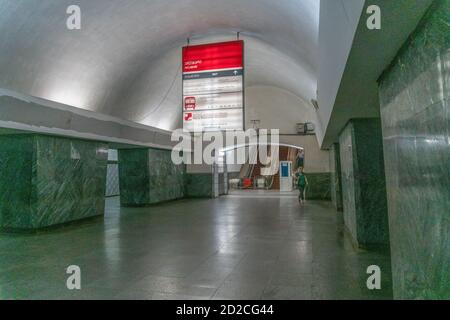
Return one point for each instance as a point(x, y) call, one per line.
point(260, 193)
point(229, 248)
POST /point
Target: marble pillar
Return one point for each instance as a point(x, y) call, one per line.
point(199, 185)
point(415, 113)
point(318, 186)
point(148, 176)
point(47, 180)
point(335, 171)
point(364, 183)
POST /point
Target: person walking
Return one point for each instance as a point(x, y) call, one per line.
point(300, 159)
point(302, 183)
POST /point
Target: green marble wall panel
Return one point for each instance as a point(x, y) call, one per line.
point(148, 176)
point(166, 179)
point(134, 181)
point(364, 183)
point(415, 112)
point(57, 180)
point(350, 188)
point(199, 185)
point(371, 177)
point(16, 159)
point(335, 172)
point(318, 186)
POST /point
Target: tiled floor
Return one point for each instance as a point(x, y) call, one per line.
point(234, 247)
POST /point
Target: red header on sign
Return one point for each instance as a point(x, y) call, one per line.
point(223, 55)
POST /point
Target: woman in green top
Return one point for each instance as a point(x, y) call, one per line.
point(302, 182)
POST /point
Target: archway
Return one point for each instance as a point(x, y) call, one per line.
point(261, 170)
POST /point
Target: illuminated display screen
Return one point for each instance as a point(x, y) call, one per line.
point(213, 98)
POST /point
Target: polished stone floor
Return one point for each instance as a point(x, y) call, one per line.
point(242, 246)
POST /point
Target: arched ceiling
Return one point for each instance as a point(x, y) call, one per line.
point(125, 60)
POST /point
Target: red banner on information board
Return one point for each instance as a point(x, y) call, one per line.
point(215, 56)
point(213, 86)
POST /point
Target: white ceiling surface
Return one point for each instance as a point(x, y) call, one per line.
point(126, 59)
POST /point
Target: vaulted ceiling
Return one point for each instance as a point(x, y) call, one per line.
point(125, 61)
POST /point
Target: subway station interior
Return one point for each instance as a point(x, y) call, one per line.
point(92, 91)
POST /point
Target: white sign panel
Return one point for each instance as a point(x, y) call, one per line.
point(213, 120)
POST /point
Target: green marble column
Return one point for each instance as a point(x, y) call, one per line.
point(318, 186)
point(46, 180)
point(335, 170)
point(364, 183)
point(148, 176)
point(415, 113)
point(199, 185)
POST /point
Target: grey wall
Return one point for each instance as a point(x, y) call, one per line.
point(262, 101)
point(415, 110)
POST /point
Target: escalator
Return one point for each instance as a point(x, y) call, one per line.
point(270, 173)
